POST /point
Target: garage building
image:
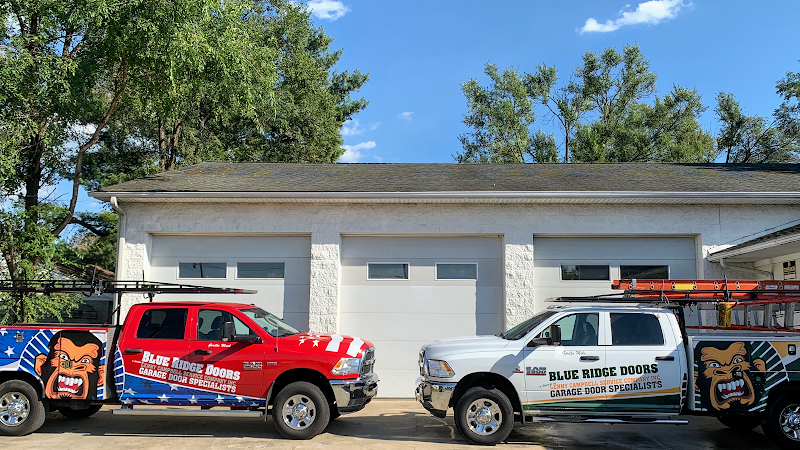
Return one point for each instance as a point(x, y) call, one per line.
point(403, 254)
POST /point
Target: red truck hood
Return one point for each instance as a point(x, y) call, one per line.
point(327, 344)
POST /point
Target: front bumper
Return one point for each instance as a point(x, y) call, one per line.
point(353, 395)
point(435, 397)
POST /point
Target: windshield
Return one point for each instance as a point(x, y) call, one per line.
point(269, 322)
point(519, 331)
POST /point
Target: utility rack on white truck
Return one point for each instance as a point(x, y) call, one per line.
point(629, 358)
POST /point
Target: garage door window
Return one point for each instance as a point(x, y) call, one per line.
point(387, 271)
point(202, 270)
point(656, 272)
point(449, 271)
point(260, 270)
point(585, 272)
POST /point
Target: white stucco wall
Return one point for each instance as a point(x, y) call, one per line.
point(715, 227)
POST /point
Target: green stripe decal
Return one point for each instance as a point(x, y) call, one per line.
point(666, 403)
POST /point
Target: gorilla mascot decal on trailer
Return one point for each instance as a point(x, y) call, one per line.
point(72, 369)
point(723, 377)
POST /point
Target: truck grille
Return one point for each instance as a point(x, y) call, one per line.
point(369, 361)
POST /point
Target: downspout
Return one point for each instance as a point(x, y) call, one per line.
point(120, 249)
point(763, 273)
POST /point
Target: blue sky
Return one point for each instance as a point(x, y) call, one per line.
point(419, 52)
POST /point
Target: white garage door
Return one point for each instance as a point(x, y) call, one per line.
point(580, 266)
point(401, 292)
point(278, 267)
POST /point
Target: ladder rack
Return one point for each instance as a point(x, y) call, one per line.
point(774, 300)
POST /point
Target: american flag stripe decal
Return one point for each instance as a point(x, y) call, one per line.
point(333, 345)
point(355, 346)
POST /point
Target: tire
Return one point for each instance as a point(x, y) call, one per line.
point(21, 410)
point(740, 421)
point(782, 423)
point(484, 416)
point(300, 411)
point(70, 413)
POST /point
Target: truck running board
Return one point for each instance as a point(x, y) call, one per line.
point(187, 412)
point(610, 420)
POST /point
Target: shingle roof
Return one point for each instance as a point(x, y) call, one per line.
point(627, 177)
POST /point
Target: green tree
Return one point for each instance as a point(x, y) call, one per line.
point(787, 115)
point(607, 111)
point(500, 117)
point(67, 67)
point(744, 138)
point(566, 104)
point(300, 119)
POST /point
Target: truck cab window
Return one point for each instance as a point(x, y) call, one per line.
point(209, 324)
point(635, 329)
point(577, 329)
point(167, 323)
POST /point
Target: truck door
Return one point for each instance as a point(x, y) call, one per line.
point(567, 376)
point(646, 358)
point(148, 352)
point(234, 370)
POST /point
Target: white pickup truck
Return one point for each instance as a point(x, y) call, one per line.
point(613, 364)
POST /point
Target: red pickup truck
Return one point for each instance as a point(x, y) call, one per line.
point(221, 358)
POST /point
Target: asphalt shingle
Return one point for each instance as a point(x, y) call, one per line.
point(627, 177)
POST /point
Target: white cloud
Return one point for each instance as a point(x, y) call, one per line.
point(353, 128)
point(328, 9)
point(651, 12)
point(353, 154)
point(405, 115)
point(375, 126)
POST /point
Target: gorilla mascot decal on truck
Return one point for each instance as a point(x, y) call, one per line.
point(723, 378)
point(72, 368)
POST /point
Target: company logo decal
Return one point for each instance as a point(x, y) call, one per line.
point(536, 371)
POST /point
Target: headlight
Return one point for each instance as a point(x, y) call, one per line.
point(346, 366)
point(439, 369)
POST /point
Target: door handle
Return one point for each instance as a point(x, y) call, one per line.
point(203, 352)
point(132, 351)
point(590, 358)
point(665, 358)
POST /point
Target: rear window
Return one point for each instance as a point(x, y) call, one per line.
point(165, 323)
point(635, 329)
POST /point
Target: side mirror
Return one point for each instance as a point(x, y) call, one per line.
point(246, 338)
point(553, 339)
point(555, 334)
point(228, 330)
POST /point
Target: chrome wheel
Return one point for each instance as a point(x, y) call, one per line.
point(790, 421)
point(14, 408)
point(299, 412)
point(484, 417)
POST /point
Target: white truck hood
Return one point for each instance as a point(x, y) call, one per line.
point(471, 344)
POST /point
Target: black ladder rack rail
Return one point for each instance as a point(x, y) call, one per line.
point(96, 287)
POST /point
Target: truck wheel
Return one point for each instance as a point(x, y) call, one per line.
point(21, 411)
point(740, 421)
point(484, 416)
point(300, 411)
point(782, 424)
point(79, 413)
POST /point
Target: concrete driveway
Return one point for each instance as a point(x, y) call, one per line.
point(384, 424)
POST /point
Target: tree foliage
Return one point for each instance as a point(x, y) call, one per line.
point(607, 111)
point(501, 116)
point(99, 91)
